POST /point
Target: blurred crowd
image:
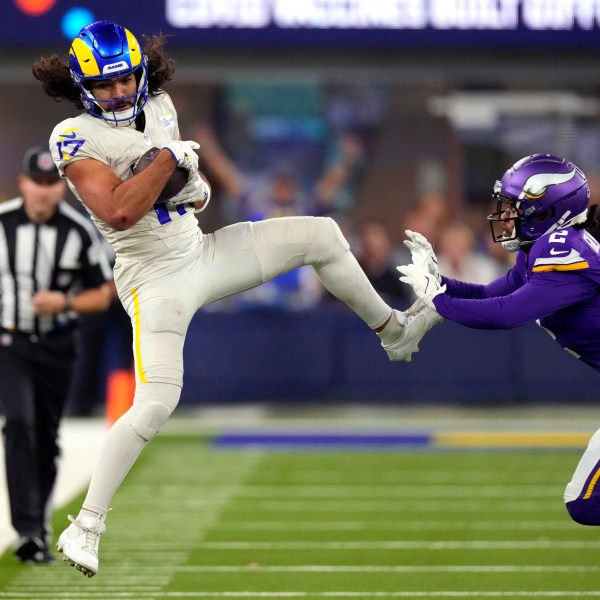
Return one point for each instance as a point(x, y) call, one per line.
point(463, 244)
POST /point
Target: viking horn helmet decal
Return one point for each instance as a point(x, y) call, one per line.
point(536, 185)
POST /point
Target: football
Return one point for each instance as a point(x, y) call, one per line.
point(174, 184)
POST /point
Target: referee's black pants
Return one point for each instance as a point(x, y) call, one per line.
point(35, 375)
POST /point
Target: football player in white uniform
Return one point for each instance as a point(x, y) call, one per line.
point(166, 268)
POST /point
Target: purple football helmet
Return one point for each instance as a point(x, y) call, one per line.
point(538, 194)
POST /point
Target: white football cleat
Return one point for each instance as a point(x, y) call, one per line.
point(79, 543)
point(419, 320)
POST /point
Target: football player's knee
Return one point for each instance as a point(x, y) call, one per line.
point(152, 407)
point(328, 242)
point(148, 419)
point(584, 512)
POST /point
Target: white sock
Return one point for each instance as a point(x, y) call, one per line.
point(85, 513)
point(124, 443)
point(394, 329)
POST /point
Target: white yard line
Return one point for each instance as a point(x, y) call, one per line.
point(150, 595)
point(378, 491)
point(359, 569)
point(406, 545)
point(491, 525)
point(420, 506)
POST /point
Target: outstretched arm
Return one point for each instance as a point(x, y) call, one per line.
point(423, 256)
point(544, 294)
point(502, 286)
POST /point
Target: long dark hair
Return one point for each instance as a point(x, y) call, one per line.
point(592, 223)
point(53, 71)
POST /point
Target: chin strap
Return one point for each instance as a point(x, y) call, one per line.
point(514, 244)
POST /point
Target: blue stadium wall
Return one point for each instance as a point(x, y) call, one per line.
point(329, 355)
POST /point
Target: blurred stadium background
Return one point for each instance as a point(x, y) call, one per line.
point(386, 115)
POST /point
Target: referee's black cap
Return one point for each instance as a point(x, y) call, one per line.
point(39, 166)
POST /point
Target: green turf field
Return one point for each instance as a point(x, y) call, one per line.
point(193, 521)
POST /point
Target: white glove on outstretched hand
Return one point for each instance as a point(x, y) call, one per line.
point(425, 285)
point(196, 191)
point(183, 153)
point(422, 253)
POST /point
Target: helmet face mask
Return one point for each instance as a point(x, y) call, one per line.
point(505, 223)
point(538, 194)
point(105, 51)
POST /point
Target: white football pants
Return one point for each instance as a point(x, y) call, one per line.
point(582, 494)
point(232, 259)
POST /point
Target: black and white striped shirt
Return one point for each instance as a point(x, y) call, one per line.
point(63, 254)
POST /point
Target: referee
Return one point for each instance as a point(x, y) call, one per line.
point(52, 267)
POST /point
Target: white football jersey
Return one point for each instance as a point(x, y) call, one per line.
point(161, 230)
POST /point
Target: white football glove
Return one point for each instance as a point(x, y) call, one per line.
point(183, 153)
point(196, 191)
point(422, 253)
point(425, 285)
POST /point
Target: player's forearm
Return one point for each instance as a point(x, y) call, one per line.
point(462, 289)
point(543, 295)
point(119, 203)
point(490, 313)
point(502, 286)
point(134, 197)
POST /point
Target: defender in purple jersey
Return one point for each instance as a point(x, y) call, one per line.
point(543, 215)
